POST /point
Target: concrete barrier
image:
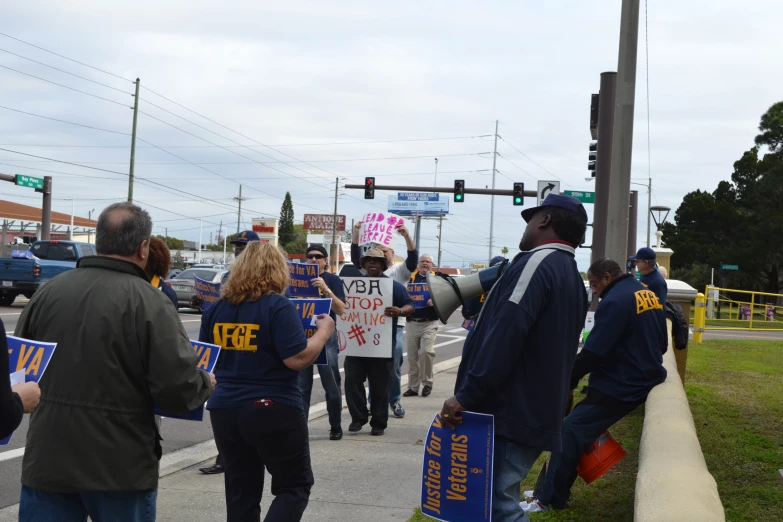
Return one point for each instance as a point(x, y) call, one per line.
point(673, 482)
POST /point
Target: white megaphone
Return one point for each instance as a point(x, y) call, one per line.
point(448, 293)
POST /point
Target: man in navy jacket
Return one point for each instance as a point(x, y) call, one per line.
point(651, 277)
point(516, 363)
point(624, 357)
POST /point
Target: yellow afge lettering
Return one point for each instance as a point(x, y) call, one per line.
point(35, 364)
point(204, 353)
point(233, 336)
point(646, 300)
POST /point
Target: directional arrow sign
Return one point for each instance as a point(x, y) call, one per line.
point(547, 187)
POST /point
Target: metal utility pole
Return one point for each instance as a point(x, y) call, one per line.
point(633, 212)
point(46, 209)
point(435, 184)
point(492, 202)
point(417, 231)
point(200, 235)
point(89, 230)
point(440, 236)
point(239, 209)
point(133, 141)
point(603, 164)
point(622, 133)
point(649, 206)
point(334, 225)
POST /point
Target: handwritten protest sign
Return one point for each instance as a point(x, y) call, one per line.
point(456, 483)
point(308, 310)
point(208, 293)
point(302, 275)
point(363, 330)
point(207, 358)
point(377, 228)
point(27, 361)
point(420, 293)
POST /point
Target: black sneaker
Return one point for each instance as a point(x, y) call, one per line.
point(337, 434)
point(376, 432)
point(426, 391)
point(212, 470)
point(410, 393)
point(397, 409)
point(355, 426)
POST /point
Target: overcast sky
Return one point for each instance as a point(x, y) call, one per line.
point(306, 77)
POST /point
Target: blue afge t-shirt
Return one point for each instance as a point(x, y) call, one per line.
point(255, 338)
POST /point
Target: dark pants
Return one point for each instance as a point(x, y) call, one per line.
point(251, 438)
point(101, 506)
point(334, 397)
point(588, 420)
point(378, 372)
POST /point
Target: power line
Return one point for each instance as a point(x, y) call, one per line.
point(62, 56)
point(517, 166)
point(64, 121)
point(66, 87)
point(531, 160)
point(66, 72)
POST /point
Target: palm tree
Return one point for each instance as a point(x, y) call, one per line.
point(504, 251)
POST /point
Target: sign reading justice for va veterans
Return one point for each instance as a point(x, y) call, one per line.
point(207, 358)
point(456, 483)
point(208, 293)
point(302, 275)
point(420, 294)
point(363, 329)
point(308, 310)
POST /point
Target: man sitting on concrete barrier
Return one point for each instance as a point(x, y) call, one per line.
point(624, 357)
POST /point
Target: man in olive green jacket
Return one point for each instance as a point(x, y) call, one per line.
point(93, 446)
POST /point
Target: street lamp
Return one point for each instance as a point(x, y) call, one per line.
point(660, 219)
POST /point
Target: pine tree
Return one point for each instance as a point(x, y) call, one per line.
point(286, 227)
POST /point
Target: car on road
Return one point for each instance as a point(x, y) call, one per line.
point(27, 270)
point(184, 282)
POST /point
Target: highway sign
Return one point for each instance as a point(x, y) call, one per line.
point(27, 181)
point(724, 266)
point(545, 188)
point(584, 197)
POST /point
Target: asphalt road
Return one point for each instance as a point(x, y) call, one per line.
point(178, 434)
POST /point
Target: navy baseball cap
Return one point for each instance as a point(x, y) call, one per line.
point(556, 200)
point(645, 253)
point(245, 237)
point(496, 260)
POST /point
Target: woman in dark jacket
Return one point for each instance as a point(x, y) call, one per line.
point(158, 267)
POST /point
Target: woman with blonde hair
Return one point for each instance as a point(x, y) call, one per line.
point(256, 409)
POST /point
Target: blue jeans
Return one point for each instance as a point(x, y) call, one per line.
point(586, 422)
point(334, 398)
point(101, 506)
point(394, 384)
point(510, 466)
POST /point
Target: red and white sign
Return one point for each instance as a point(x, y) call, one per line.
point(377, 227)
point(323, 222)
point(363, 330)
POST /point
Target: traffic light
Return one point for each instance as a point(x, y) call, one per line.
point(369, 188)
point(592, 156)
point(519, 194)
point(459, 190)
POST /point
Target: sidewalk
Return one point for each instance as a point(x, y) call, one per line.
point(358, 478)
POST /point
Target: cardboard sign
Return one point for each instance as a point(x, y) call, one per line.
point(420, 293)
point(363, 329)
point(208, 356)
point(302, 275)
point(456, 483)
point(377, 228)
point(27, 361)
point(308, 310)
point(208, 293)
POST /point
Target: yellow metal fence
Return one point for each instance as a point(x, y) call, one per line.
point(729, 309)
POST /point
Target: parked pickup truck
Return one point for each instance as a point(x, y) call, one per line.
point(27, 270)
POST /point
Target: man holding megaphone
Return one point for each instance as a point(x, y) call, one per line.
point(516, 364)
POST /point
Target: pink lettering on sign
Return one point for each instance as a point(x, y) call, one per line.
point(377, 228)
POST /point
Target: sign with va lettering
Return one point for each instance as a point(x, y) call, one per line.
point(377, 228)
point(422, 203)
point(456, 483)
point(468, 324)
point(302, 275)
point(363, 330)
point(308, 310)
point(420, 293)
point(207, 293)
point(207, 358)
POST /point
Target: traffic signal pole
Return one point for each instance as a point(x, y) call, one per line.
point(492, 202)
point(603, 164)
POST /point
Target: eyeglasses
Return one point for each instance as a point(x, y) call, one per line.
point(315, 256)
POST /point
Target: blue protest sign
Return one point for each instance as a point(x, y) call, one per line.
point(30, 357)
point(207, 358)
point(456, 483)
point(308, 309)
point(420, 293)
point(207, 293)
point(302, 275)
point(468, 324)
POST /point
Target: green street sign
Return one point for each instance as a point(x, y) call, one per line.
point(27, 181)
point(584, 197)
point(729, 267)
